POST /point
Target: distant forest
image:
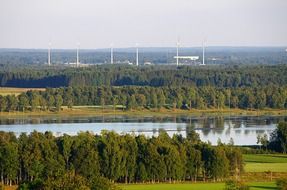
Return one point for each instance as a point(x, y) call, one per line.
point(214, 55)
point(233, 76)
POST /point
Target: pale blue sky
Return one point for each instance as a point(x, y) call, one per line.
point(98, 23)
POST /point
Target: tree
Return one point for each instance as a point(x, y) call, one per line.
point(58, 102)
point(215, 162)
point(34, 100)
point(85, 157)
point(278, 100)
point(65, 143)
point(278, 140)
point(50, 101)
point(68, 97)
point(234, 101)
point(191, 97)
point(220, 100)
point(193, 162)
point(141, 100)
point(263, 140)
point(23, 102)
point(200, 103)
point(9, 160)
point(115, 102)
point(11, 103)
point(3, 103)
point(111, 155)
point(161, 99)
point(154, 100)
point(260, 102)
point(130, 151)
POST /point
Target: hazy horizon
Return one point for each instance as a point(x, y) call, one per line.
point(32, 24)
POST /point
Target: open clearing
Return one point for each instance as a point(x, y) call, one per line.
point(4, 91)
point(195, 186)
point(265, 162)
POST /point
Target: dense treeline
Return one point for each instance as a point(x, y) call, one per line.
point(87, 159)
point(114, 75)
point(132, 97)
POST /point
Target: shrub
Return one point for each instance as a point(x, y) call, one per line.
point(282, 184)
point(235, 185)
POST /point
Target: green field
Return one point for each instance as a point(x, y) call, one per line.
point(195, 186)
point(265, 162)
point(265, 158)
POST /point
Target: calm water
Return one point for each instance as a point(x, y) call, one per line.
point(243, 130)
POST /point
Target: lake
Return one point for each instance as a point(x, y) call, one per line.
point(242, 129)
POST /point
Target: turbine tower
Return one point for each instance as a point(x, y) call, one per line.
point(177, 46)
point(112, 54)
point(137, 55)
point(203, 53)
point(78, 62)
point(49, 54)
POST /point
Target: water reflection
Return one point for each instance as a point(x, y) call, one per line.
point(243, 130)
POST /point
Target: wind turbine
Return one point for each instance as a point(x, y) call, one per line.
point(177, 47)
point(137, 54)
point(112, 54)
point(203, 53)
point(49, 53)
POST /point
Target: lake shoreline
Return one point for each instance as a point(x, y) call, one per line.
point(88, 111)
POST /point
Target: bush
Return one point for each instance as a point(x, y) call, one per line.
point(235, 185)
point(282, 184)
point(34, 185)
point(101, 183)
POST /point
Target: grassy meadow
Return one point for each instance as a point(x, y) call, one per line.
point(195, 186)
point(265, 162)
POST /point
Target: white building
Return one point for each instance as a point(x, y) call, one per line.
point(191, 58)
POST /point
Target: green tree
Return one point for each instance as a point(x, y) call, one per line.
point(11, 103)
point(111, 155)
point(161, 99)
point(34, 100)
point(141, 100)
point(58, 102)
point(278, 140)
point(23, 102)
point(50, 101)
point(3, 103)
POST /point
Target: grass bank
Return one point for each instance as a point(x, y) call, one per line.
point(97, 110)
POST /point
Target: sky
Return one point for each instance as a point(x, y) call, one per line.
point(148, 23)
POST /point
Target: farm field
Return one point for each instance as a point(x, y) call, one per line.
point(265, 162)
point(4, 91)
point(195, 186)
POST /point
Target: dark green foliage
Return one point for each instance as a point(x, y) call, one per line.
point(278, 141)
point(87, 161)
point(119, 75)
point(135, 97)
